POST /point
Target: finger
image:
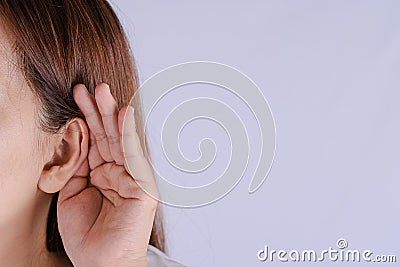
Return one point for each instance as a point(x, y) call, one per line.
point(94, 157)
point(88, 106)
point(127, 127)
point(136, 164)
point(109, 113)
point(114, 177)
point(111, 196)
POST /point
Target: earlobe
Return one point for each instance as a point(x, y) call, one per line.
point(68, 155)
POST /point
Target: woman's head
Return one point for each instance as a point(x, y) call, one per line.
point(47, 47)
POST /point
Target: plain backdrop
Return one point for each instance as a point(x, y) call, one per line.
point(330, 72)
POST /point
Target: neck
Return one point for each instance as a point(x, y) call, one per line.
point(23, 238)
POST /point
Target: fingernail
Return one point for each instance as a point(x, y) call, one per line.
point(108, 87)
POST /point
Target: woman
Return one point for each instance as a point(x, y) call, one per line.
point(66, 79)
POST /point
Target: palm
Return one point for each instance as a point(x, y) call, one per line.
point(110, 218)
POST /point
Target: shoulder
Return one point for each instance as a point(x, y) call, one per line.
point(156, 257)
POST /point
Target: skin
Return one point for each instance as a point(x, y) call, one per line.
point(104, 217)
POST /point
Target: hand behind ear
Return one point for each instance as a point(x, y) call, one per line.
point(70, 153)
point(109, 222)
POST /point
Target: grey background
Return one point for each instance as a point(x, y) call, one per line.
point(330, 71)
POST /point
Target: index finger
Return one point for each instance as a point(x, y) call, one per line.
point(88, 106)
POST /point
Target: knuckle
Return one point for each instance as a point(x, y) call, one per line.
point(100, 136)
point(112, 140)
point(108, 115)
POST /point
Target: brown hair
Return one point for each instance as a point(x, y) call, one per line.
point(60, 43)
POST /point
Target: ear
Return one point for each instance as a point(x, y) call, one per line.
point(70, 151)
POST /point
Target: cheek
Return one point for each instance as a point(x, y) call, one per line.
point(19, 168)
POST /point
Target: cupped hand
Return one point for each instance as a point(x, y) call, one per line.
point(107, 221)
